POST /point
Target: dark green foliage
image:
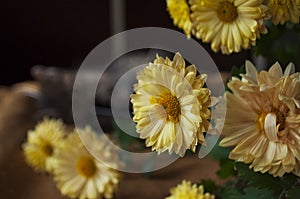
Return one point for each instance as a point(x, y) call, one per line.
point(226, 169)
point(235, 71)
point(226, 165)
point(253, 192)
point(286, 186)
point(288, 181)
point(209, 185)
point(293, 193)
point(230, 192)
point(219, 153)
point(280, 44)
point(257, 179)
point(235, 192)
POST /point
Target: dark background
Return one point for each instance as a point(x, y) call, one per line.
point(62, 32)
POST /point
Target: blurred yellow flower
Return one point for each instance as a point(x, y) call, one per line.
point(284, 10)
point(263, 120)
point(78, 174)
point(230, 25)
point(42, 142)
point(187, 190)
point(180, 13)
point(166, 105)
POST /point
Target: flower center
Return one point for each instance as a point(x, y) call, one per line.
point(227, 12)
point(47, 148)
point(86, 166)
point(280, 120)
point(260, 120)
point(170, 104)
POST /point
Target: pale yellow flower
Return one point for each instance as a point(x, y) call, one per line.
point(187, 190)
point(197, 82)
point(180, 13)
point(230, 25)
point(284, 10)
point(166, 105)
point(263, 120)
point(78, 174)
point(42, 143)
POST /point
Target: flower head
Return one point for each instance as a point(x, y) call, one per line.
point(187, 190)
point(263, 120)
point(42, 142)
point(180, 13)
point(284, 10)
point(78, 174)
point(170, 105)
point(230, 25)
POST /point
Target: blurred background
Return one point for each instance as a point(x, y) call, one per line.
point(61, 33)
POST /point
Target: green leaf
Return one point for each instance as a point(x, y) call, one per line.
point(226, 168)
point(235, 71)
point(219, 153)
point(280, 44)
point(293, 193)
point(257, 179)
point(230, 192)
point(252, 192)
point(237, 192)
point(209, 185)
point(287, 181)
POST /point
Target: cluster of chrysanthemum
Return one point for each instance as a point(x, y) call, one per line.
point(77, 173)
point(170, 105)
point(263, 119)
point(190, 191)
point(230, 25)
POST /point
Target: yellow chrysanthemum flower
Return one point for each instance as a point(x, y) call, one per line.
point(263, 120)
point(197, 82)
point(180, 13)
point(167, 106)
point(42, 143)
point(78, 174)
point(230, 25)
point(187, 190)
point(284, 10)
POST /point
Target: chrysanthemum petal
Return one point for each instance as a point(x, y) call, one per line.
point(270, 127)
